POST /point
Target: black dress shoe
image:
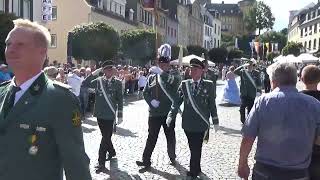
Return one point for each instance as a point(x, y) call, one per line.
point(145, 164)
point(110, 156)
point(191, 174)
point(100, 168)
point(173, 162)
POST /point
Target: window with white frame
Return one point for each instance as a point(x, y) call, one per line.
point(26, 9)
point(53, 41)
point(16, 7)
point(2, 5)
point(54, 13)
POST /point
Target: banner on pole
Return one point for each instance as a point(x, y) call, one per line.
point(148, 4)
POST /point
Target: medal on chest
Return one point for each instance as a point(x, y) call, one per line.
point(33, 150)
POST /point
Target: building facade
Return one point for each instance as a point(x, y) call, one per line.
point(211, 28)
point(304, 27)
point(195, 30)
point(112, 13)
point(183, 24)
point(232, 16)
point(27, 9)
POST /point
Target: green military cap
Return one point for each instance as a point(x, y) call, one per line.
point(196, 63)
point(107, 64)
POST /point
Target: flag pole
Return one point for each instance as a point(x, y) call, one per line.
point(155, 13)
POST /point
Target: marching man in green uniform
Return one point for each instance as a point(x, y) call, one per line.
point(199, 104)
point(159, 94)
point(40, 126)
point(108, 106)
point(250, 87)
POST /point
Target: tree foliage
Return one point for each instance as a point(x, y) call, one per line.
point(218, 55)
point(94, 41)
point(197, 50)
point(274, 37)
point(272, 55)
point(139, 45)
point(292, 48)
point(235, 53)
point(175, 52)
point(6, 25)
point(259, 17)
point(227, 41)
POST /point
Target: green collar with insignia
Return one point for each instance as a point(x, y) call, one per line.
point(38, 85)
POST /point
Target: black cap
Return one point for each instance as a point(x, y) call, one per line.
point(163, 59)
point(196, 63)
point(107, 64)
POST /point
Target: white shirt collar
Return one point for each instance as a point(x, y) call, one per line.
point(198, 81)
point(28, 83)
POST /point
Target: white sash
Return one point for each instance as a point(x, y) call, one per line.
point(106, 97)
point(195, 107)
point(250, 78)
point(165, 91)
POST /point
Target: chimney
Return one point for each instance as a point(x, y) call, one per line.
point(222, 2)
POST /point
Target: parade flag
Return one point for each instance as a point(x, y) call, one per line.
point(251, 45)
point(180, 56)
point(276, 47)
point(257, 46)
point(148, 4)
point(236, 43)
point(267, 45)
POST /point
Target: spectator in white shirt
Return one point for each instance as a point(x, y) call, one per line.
point(142, 81)
point(75, 81)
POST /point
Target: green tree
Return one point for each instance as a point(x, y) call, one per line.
point(235, 53)
point(139, 45)
point(274, 37)
point(6, 25)
point(94, 41)
point(218, 55)
point(175, 52)
point(227, 41)
point(197, 50)
point(259, 17)
point(272, 55)
point(292, 48)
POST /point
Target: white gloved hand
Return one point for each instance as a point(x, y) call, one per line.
point(168, 121)
point(96, 72)
point(156, 70)
point(120, 120)
point(215, 127)
point(155, 103)
point(258, 94)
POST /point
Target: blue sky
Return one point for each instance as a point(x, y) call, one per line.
point(280, 9)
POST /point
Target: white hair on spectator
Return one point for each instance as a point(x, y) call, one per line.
point(165, 51)
point(42, 35)
point(283, 73)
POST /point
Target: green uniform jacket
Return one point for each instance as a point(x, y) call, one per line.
point(153, 90)
point(247, 88)
point(52, 112)
point(205, 100)
point(113, 90)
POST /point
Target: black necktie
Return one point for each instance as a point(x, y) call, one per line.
point(195, 88)
point(10, 102)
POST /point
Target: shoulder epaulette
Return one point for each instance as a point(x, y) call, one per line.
point(206, 80)
point(4, 83)
point(62, 85)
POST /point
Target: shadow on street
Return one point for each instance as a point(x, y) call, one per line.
point(124, 132)
point(229, 131)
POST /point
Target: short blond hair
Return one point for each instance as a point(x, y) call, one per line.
point(41, 33)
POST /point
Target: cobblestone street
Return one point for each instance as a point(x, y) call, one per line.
point(219, 156)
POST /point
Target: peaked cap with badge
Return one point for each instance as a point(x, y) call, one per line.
point(41, 134)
